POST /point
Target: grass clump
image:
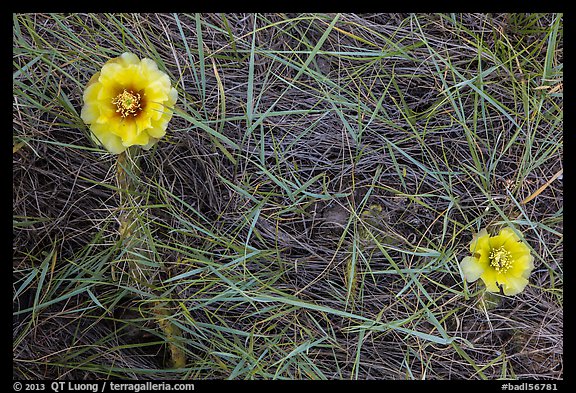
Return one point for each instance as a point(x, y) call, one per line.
point(304, 217)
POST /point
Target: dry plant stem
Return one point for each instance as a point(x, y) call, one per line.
point(134, 244)
point(129, 229)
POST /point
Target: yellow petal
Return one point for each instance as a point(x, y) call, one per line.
point(141, 139)
point(109, 91)
point(509, 236)
point(91, 92)
point(150, 143)
point(483, 255)
point(93, 79)
point(155, 79)
point(113, 144)
point(172, 98)
point(513, 285)
point(107, 114)
point(94, 110)
point(89, 114)
point(164, 119)
point(143, 122)
point(505, 236)
point(522, 266)
point(124, 59)
point(489, 279)
point(128, 72)
point(526, 273)
point(125, 128)
point(153, 110)
point(127, 58)
point(102, 136)
point(114, 74)
point(497, 241)
point(161, 104)
point(156, 132)
point(90, 111)
point(131, 135)
point(479, 241)
point(517, 249)
point(471, 268)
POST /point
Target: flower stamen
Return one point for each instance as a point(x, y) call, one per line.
point(500, 259)
point(127, 103)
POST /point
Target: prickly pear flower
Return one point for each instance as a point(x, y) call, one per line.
point(502, 260)
point(128, 102)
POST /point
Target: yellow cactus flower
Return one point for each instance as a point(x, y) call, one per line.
point(502, 260)
point(128, 102)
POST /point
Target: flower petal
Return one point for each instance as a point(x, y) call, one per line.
point(154, 110)
point(102, 136)
point(509, 235)
point(93, 79)
point(155, 79)
point(479, 241)
point(471, 268)
point(513, 285)
point(143, 123)
point(115, 130)
point(156, 132)
point(92, 88)
point(517, 249)
point(505, 236)
point(127, 58)
point(124, 59)
point(150, 143)
point(522, 266)
point(116, 75)
point(108, 92)
point(526, 273)
point(91, 111)
point(172, 98)
point(489, 279)
point(125, 129)
point(140, 139)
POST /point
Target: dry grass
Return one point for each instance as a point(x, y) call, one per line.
point(320, 181)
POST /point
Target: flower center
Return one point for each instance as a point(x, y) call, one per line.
point(500, 259)
point(127, 103)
